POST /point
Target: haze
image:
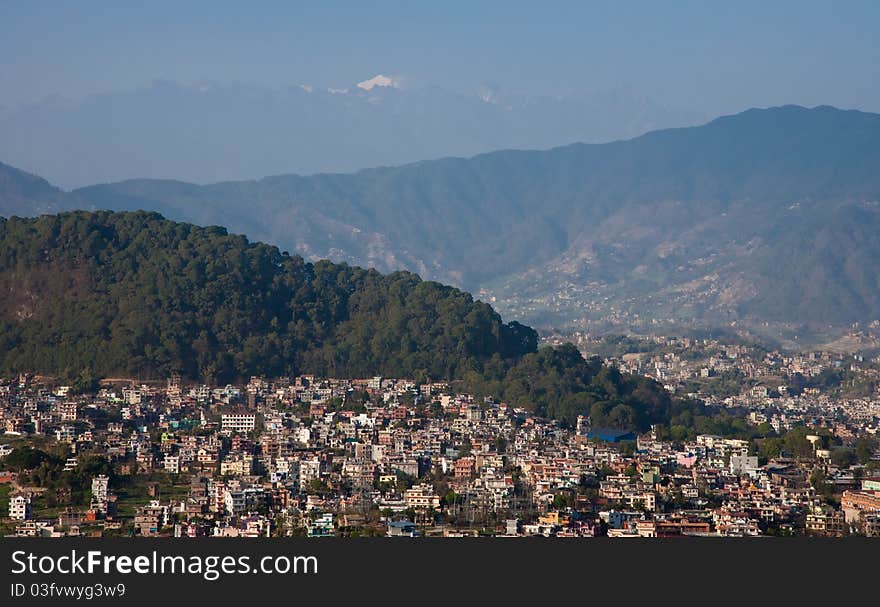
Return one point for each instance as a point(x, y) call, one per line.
point(76, 78)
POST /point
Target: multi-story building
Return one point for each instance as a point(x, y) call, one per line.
point(20, 507)
point(422, 496)
point(238, 422)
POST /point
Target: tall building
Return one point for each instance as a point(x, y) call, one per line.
point(20, 507)
point(100, 492)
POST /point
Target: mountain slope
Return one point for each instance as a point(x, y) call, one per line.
point(27, 195)
point(684, 224)
point(134, 293)
point(87, 295)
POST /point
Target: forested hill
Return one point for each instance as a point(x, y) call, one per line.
point(89, 295)
point(135, 293)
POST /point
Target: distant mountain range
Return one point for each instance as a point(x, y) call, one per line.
point(207, 133)
point(768, 215)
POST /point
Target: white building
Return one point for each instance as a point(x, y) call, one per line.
point(20, 507)
point(744, 464)
point(238, 422)
point(100, 492)
point(172, 464)
point(65, 434)
point(422, 496)
point(309, 470)
point(238, 501)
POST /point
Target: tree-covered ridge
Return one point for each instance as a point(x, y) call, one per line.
point(132, 293)
point(90, 295)
point(559, 383)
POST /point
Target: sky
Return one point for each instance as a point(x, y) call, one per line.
point(713, 57)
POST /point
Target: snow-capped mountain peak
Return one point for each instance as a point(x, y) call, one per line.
point(379, 80)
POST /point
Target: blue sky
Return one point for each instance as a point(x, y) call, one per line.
point(716, 57)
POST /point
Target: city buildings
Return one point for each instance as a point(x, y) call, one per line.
point(392, 457)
